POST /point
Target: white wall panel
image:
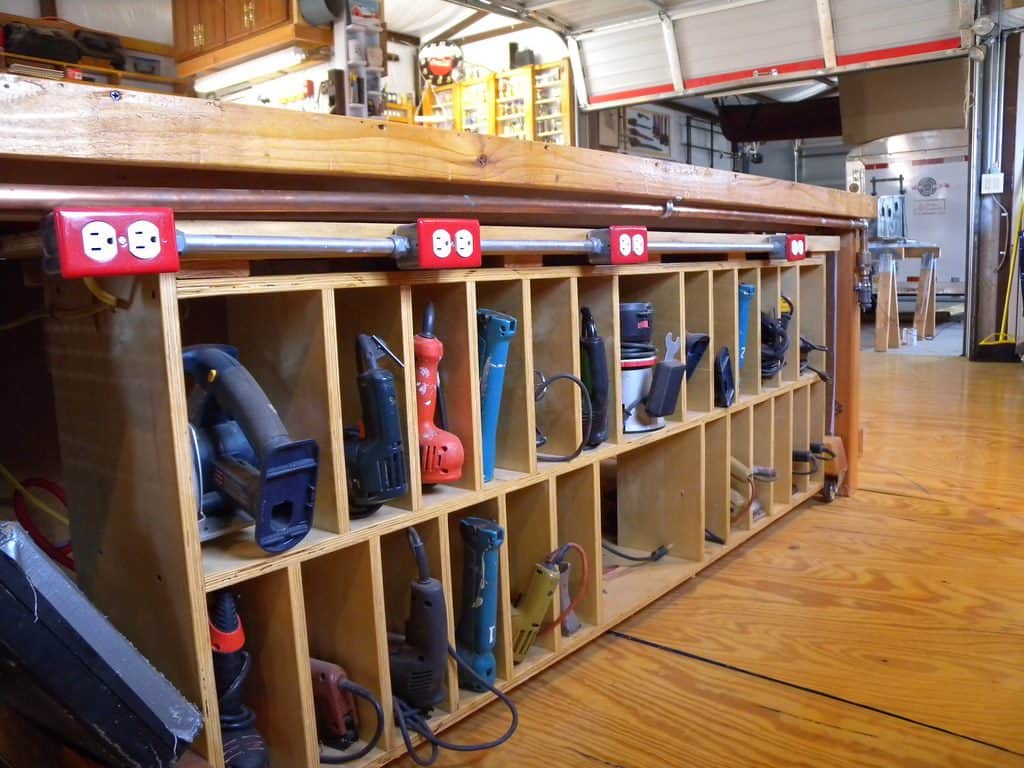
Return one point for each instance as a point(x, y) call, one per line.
point(871, 25)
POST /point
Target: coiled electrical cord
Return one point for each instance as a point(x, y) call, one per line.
point(775, 340)
point(540, 390)
point(411, 720)
point(358, 690)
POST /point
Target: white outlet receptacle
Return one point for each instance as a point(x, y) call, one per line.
point(143, 240)
point(99, 241)
point(992, 183)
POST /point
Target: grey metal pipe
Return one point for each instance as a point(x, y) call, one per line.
point(201, 243)
point(696, 247)
point(587, 245)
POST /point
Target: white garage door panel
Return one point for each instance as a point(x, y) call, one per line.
point(630, 59)
point(750, 37)
point(581, 15)
point(873, 25)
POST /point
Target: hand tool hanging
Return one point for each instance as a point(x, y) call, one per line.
point(477, 630)
point(441, 453)
point(594, 362)
point(374, 450)
point(337, 719)
point(245, 466)
point(495, 332)
point(418, 665)
point(529, 610)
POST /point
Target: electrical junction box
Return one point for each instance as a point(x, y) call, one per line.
point(103, 242)
point(796, 247)
point(620, 245)
point(992, 183)
point(440, 244)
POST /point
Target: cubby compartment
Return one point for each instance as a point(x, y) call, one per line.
point(782, 447)
point(556, 349)
point(384, 312)
point(657, 494)
point(818, 395)
point(578, 504)
point(697, 303)
point(725, 318)
point(741, 448)
point(278, 687)
point(286, 341)
point(768, 302)
point(813, 314)
point(345, 625)
point(398, 571)
point(801, 437)
point(530, 537)
point(493, 510)
point(764, 456)
point(664, 292)
point(514, 440)
point(455, 406)
point(601, 296)
point(748, 363)
point(716, 478)
point(789, 286)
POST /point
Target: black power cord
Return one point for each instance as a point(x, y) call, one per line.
point(653, 557)
point(411, 720)
point(540, 390)
point(365, 695)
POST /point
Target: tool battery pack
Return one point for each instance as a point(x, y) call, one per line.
point(666, 383)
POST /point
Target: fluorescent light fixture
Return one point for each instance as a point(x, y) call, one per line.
point(254, 70)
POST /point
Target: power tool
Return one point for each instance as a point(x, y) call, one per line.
point(595, 377)
point(441, 453)
point(743, 491)
point(244, 747)
point(529, 610)
point(245, 466)
point(337, 720)
point(775, 338)
point(477, 631)
point(374, 451)
point(495, 332)
point(418, 659)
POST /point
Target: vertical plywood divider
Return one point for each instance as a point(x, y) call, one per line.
point(281, 340)
point(697, 303)
point(578, 508)
point(716, 476)
point(769, 302)
point(750, 375)
point(812, 311)
point(515, 447)
point(801, 434)
point(454, 304)
point(817, 418)
point(531, 536)
point(555, 315)
point(278, 688)
point(335, 417)
point(783, 448)
point(600, 294)
point(764, 450)
point(725, 328)
point(790, 288)
point(503, 649)
point(741, 446)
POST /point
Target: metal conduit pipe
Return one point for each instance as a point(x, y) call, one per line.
point(670, 247)
point(42, 198)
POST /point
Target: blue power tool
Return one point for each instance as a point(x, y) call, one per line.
point(495, 331)
point(246, 467)
point(478, 626)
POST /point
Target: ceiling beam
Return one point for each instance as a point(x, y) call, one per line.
point(828, 35)
point(514, 10)
point(668, 33)
point(481, 36)
point(404, 39)
point(458, 26)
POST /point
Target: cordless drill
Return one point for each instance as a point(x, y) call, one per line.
point(494, 333)
point(419, 658)
point(375, 455)
point(477, 631)
point(441, 453)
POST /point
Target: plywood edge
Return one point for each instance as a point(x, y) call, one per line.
point(161, 131)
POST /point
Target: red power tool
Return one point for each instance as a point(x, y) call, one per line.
point(441, 453)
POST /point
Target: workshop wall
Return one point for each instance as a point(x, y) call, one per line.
point(150, 20)
point(493, 54)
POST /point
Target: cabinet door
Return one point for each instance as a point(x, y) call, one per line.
point(245, 17)
point(212, 17)
point(187, 28)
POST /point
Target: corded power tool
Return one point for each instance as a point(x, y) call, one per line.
point(529, 610)
point(495, 331)
point(337, 721)
point(374, 451)
point(595, 377)
point(478, 626)
point(441, 452)
point(245, 466)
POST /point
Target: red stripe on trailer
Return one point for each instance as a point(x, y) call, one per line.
point(746, 74)
point(940, 160)
point(948, 44)
point(876, 166)
point(633, 94)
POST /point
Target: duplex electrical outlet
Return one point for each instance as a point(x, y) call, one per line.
point(440, 244)
point(796, 247)
point(620, 245)
point(109, 241)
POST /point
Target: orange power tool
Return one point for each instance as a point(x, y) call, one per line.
point(441, 453)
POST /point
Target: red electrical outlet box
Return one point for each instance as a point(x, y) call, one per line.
point(620, 245)
point(441, 244)
point(796, 247)
point(110, 241)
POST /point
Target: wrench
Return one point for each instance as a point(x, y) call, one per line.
point(672, 347)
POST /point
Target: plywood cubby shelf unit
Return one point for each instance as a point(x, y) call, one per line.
point(338, 593)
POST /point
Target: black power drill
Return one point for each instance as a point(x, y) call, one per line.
point(375, 453)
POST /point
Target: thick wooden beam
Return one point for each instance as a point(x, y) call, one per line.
point(828, 40)
point(847, 355)
point(404, 39)
point(457, 27)
point(164, 131)
point(481, 36)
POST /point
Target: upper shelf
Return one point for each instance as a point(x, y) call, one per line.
point(159, 130)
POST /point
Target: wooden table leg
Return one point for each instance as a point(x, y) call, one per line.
point(924, 309)
point(887, 309)
point(847, 358)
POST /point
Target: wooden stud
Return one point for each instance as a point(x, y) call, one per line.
point(847, 353)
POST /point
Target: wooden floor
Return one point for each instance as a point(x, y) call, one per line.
point(884, 630)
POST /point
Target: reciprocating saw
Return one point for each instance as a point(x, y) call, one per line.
point(494, 332)
point(478, 626)
point(375, 451)
point(246, 468)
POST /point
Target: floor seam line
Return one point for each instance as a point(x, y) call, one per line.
point(806, 689)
